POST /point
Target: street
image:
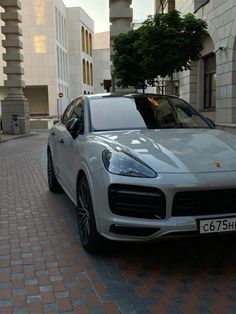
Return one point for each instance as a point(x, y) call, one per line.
point(44, 269)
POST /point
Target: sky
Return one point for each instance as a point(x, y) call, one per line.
point(98, 10)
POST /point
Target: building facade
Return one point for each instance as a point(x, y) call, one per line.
point(101, 57)
point(80, 52)
point(211, 84)
point(121, 16)
point(57, 58)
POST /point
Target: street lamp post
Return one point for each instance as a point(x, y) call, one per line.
point(15, 106)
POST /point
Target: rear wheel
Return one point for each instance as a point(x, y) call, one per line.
point(53, 184)
point(91, 240)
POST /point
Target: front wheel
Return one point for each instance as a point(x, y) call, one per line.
point(91, 240)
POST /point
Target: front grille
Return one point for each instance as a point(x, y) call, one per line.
point(196, 203)
point(137, 201)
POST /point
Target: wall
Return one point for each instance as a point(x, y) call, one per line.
point(77, 18)
point(101, 55)
point(39, 48)
point(38, 99)
point(220, 16)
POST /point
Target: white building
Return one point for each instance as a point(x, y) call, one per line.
point(101, 57)
point(211, 84)
point(57, 50)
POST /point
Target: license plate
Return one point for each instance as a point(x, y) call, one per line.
point(217, 225)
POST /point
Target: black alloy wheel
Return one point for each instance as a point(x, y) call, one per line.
point(90, 238)
point(53, 184)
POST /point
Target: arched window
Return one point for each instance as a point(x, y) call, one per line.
point(91, 74)
point(82, 38)
point(84, 71)
point(86, 42)
point(210, 81)
point(84, 92)
point(90, 45)
point(88, 74)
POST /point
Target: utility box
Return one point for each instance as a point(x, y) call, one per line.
point(15, 124)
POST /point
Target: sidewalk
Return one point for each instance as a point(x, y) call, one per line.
point(9, 137)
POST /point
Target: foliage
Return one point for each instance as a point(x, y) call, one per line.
point(165, 44)
point(127, 60)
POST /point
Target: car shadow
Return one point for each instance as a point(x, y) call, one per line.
point(211, 253)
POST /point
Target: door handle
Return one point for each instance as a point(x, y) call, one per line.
point(61, 141)
point(52, 133)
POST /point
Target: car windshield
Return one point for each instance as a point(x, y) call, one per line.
point(142, 112)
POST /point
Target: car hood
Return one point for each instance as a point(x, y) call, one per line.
point(177, 150)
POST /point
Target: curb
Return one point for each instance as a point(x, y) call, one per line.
point(17, 137)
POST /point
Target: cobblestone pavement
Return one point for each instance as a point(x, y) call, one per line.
point(43, 268)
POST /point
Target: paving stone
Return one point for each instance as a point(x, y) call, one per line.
point(44, 269)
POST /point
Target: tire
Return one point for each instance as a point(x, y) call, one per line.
point(91, 240)
point(53, 184)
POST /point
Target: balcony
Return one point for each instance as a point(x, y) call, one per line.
point(121, 13)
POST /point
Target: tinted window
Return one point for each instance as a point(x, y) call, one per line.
point(114, 113)
point(66, 115)
point(78, 110)
point(187, 116)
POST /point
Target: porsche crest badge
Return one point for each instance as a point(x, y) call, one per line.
point(217, 164)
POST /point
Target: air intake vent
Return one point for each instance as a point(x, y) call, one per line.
point(196, 203)
point(136, 201)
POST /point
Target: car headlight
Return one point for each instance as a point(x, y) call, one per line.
point(123, 164)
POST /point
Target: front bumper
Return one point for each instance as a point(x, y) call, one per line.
point(122, 228)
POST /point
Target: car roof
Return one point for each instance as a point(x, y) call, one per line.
point(134, 94)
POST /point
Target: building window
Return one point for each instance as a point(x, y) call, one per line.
point(56, 15)
point(58, 63)
point(88, 74)
point(210, 81)
point(59, 27)
point(86, 42)
point(66, 68)
point(84, 71)
point(90, 45)
point(64, 32)
point(91, 74)
point(82, 38)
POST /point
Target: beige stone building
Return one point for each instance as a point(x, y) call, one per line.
point(57, 50)
point(101, 57)
point(211, 84)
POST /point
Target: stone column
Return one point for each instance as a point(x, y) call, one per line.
point(15, 103)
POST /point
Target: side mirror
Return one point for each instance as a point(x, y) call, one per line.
point(74, 127)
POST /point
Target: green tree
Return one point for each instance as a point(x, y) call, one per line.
point(127, 60)
point(165, 44)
